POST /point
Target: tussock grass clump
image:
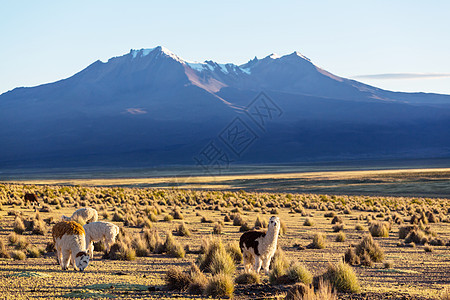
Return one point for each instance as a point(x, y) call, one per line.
point(319, 241)
point(215, 258)
point(340, 237)
point(18, 255)
point(337, 219)
point(279, 264)
point(168, 218)
point(199, 281)
point(380, 229)
point(248, 278)
point(19, 226)
point(343, 278)
point(140, 246)
point(121, 251)
point(299, 273)
point(118, 217)
point(235, 252)
point(34, 252)
point(220, 285)
point(217, 229)
point(260, 223)
point(176, 214)
point(176, 279)
point(173, 247)
point(183, 230)
point(428, 248)
point(351, 257)
point(3, 252)
point(206, 220)
point(238, 220)
point(39, 227)
point(283, 228)
point(154, 242)
point(308, 222)
point(302, 291)
point(360, 227)
point(245, 227)
point(371, 247)
point(338, 227)
point(416, 236)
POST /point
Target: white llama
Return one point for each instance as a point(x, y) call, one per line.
point(86, 214)
point(70, 244)
point(100, 231)
point(259, 247)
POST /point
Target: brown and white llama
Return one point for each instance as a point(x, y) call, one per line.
point(258, 247)
point(70, 244)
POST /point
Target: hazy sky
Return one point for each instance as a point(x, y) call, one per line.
point(405, 44)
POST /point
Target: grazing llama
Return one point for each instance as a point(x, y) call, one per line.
point(85, 214)
point(100, 231)
point(259, 247)
point(70, 244)
point(31, 197)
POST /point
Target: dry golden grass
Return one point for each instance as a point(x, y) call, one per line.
point(416, 272)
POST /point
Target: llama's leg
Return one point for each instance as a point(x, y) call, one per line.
point(91, 249)
point(258, 263)
point(247, 261)
point(65, 259)
point(59, 256)
point(266, 264)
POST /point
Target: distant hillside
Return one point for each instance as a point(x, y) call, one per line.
point(150, 107)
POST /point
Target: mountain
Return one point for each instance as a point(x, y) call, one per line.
point(150, 107)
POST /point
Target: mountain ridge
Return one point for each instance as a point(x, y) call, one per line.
point(152, 106)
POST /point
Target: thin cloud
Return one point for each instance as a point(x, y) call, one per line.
point(389, 76)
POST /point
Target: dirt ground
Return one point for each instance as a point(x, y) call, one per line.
point(415, 274)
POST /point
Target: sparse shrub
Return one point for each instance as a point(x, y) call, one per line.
point(337, 219)
point(121, 251)
point(428, 248)
point(283, 228)
point(308, 222)
point(319, 241)
point(360, 227)
point(351, 257)
point(34, 252)
point(244, 227)
point(208, 248)
point(168, 218)
point(206, 220)
point(39, 227)
point(19, 226)
point(371, 247)
point(417, 236)
point(220, 285)
point(118, 217)
point(183, 230)
point(279, 265)
point(260, 223)
point(340, 237)
point(140, 246)
point(338, 227)
point(343, 278)
point(217, 229)
point(379, 229)
point(3, 252)
point(299, 273)
point(248, 278)
point(198, 281)
point(173, 248)
point(238, 220)
point(222, 262)
point(18, 255)
point(235, 251)
point(306, 292)
point(177, 214)
point(176, 279)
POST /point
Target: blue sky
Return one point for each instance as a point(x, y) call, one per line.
point(405, 44)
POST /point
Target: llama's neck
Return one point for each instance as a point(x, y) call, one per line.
point(80, 244)
point(272, 234)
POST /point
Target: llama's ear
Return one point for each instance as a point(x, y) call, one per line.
point(81, 253)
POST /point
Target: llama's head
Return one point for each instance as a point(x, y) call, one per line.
point(81, 260)
point(274, 224)
point(64, 218)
